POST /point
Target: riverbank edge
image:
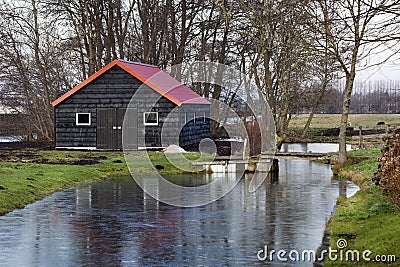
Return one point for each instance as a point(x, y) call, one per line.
point(359, 169)
point(29, 175)
point(31, 196)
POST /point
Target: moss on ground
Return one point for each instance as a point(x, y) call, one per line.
point(367, 220)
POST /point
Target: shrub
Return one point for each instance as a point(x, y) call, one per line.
point(388, 174)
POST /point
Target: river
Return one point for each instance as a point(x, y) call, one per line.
point(113, 223)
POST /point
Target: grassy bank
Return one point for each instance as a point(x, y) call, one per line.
point(323, 122)
point(367, 221)
point(326, 121)
point(28, 175)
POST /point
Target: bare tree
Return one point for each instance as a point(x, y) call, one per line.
point(34, 66)
point(324, 69)
point(97, 29)
point(272, 46)
point(287, 47)
point(355, 29)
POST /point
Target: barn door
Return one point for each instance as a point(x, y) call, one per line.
point(105, 131)
point(130, 128)
point(109, 128)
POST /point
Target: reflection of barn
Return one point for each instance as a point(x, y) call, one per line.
point(91, 114)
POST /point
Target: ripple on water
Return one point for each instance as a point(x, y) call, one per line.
point(113, 223)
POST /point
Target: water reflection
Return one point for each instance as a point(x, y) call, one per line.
point(114, 223)
point(312, 147)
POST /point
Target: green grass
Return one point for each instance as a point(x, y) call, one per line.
point(24, 182)
point(370, 152)
point(360, 173)
point(27, 182)
point(325, 121)
point(322, 122)
point(366, 220)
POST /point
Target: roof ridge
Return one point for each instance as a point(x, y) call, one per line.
point(177, 98)
point(137, 63)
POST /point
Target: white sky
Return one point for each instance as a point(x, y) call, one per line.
point(383, 72)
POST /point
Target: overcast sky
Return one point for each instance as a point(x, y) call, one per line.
point(389, 70)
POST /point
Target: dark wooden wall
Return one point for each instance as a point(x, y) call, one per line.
point(114, 89)
point(197, 126)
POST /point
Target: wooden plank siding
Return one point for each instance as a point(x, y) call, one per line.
point(194, 130)
point(114, 89)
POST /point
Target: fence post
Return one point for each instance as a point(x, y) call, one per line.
point(360, 138)
point(387, 130)
point(244, 149)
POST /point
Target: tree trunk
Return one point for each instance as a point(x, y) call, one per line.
point(313, 110)
point(345, 115)
point(46, 128)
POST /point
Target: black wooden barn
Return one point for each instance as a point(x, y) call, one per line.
point(91, 115)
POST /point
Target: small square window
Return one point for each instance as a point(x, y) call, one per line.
point(83, 119)
point(150, 118)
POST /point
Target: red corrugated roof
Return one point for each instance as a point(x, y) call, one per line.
point(150, 75)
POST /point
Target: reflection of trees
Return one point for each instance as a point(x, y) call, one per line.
point(116, 222)
point(98, 227)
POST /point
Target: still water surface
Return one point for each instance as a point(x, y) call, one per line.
point(113, 223)
point(312, 147)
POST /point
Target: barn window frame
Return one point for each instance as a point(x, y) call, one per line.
point(77, 119)
point(145, 116)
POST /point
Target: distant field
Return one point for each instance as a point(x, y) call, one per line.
point(332, 120)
